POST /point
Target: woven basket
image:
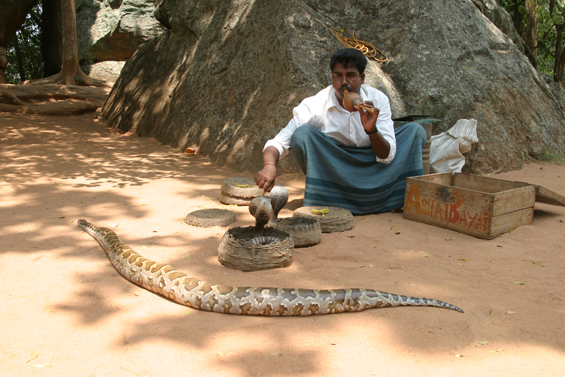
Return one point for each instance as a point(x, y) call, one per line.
point(335, 220)
point(232, 191)
point(243, 249)
point(305, 231)
point(230, 200)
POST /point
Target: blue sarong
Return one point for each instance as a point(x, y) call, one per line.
point(350, 177)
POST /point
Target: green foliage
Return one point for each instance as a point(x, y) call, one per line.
point(28, 42)
point(550, 156)
point(546, 39)
point(546, 155)
point(548, 18)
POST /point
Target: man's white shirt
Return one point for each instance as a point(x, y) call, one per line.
point(324, 112)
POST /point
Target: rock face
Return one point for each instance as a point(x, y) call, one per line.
point(500, 17)
point(225, 76)
point(112, 30)
point(466, 67)
point(108, 71)
point(109, 32)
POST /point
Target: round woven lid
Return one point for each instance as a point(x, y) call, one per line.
point(230, 200)
point(332, 219)
point(305, 231)
point(210, 217)
point(241, 187)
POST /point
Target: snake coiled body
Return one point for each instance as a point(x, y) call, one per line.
point(264, 240)
point(177, 286)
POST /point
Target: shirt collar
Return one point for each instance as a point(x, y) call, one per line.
point(333, 101)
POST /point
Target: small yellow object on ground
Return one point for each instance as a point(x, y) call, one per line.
point(321, 211)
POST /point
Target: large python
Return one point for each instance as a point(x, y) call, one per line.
point(177, 286)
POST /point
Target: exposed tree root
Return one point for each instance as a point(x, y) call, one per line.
point(6, 97)
point(80, 78)
point(51, 99)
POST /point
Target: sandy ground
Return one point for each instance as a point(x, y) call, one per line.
point(66, 312)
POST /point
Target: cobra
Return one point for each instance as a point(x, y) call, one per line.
point(279, 198)
point(180, 288)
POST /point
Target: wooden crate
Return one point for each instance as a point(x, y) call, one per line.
point(480, 206)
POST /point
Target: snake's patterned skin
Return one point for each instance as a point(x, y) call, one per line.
point(264, 240)
point(279, 198)
point(177, 286)
point(261, 209)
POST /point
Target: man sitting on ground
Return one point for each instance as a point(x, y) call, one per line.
point(353, 160)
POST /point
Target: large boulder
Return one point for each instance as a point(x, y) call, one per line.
point(225, 76)
point(501, 18)
point(112, 30)
point(465, 67)
point(108, 71)
point(109, 32)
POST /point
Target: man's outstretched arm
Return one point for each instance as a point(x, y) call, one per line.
point(265, 178)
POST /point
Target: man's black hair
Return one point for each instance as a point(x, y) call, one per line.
point(347, 57)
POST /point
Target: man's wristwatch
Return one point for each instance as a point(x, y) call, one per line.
point(371, 132)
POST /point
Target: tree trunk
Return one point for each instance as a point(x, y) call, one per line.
point(19, 58)
point(70, 74)
point(559, 66)
point(526, 10)
point(70, 69)
point(531, 31)
point(51, 37)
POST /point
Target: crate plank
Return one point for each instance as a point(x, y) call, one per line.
point(544, 195)
point(485, 184)
point(510, 221)
point(439, 178)
point(513, 200)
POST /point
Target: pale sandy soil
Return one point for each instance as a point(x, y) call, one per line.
point(66, 312)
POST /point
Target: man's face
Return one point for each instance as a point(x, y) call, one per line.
point(346, 78)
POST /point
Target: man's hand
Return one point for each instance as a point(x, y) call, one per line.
point(265, 178)
point(368, 119)
point(381, 147)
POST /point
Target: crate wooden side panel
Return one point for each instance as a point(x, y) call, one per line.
point(485, 184)
point(509, 196)
point(439, 178)
point(450, 207)
point(514, 200)
point(512, 220)
point(497, 186)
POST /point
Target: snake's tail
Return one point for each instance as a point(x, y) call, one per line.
point(390, 299)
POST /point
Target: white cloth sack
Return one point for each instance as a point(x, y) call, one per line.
point(447, 148)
